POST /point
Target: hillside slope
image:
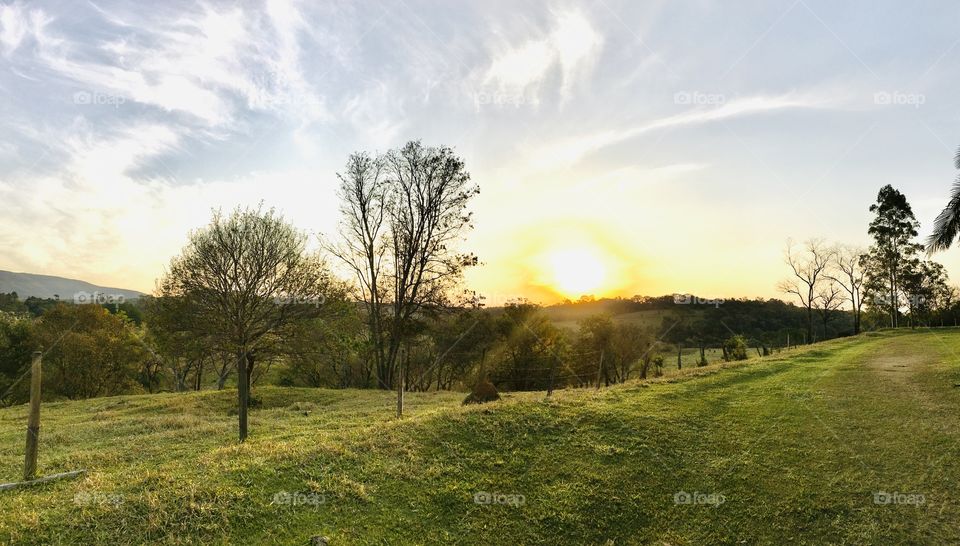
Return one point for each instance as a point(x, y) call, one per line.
point(796, 448)
point(47, 286)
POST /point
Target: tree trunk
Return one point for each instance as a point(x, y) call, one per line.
point(243, 393)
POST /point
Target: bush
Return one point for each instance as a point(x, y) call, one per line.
point(17, 343)
point(735, 348)
point(90, 352)
point(483, 392)
point(658, 366)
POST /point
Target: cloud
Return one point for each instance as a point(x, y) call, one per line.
point(568, 151)
point(197, 64)
point(373, 113)
point(572, 44)
point(98, 219)
point(16, 24)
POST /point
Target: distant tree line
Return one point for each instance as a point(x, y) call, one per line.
point(892, 283)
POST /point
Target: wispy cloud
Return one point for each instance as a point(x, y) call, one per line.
point(17, 24)
point(571, 45)
point(570, 150)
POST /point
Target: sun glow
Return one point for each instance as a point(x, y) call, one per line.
point(576, 271)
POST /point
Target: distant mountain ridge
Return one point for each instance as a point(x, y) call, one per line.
point(48, 286)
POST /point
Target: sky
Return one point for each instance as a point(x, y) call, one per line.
point(621, 147)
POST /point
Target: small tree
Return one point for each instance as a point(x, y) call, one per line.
point(848, 272)
point(247, 278)
point(735, 348)
point(658, 366)
point(530, 346)
point(807, 266)
point(828, 300)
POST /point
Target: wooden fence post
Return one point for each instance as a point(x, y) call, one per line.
point(553, 373)
point(33, 423)
point(400, 390)
point(599, 369)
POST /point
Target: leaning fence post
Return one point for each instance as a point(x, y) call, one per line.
point(33, 424)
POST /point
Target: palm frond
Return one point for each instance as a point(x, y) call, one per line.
point(947, 225)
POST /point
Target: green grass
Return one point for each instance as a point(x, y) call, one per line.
point(797, 445)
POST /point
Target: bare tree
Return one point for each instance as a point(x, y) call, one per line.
point(829, 299)
point(847, 271)
point(807, 266)
point(402, 215)
point(363, 244)
point(246, 278)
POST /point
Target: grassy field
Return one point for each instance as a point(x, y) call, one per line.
point(850, 441)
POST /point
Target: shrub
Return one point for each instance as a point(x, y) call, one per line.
point(658, 366)
point(483, 392)
point(89, 352)
point(735, 348)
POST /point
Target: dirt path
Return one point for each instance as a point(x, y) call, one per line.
point(897, 368)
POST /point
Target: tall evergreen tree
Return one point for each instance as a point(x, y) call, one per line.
point(893, 230)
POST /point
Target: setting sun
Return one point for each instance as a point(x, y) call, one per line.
point(576, 271)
